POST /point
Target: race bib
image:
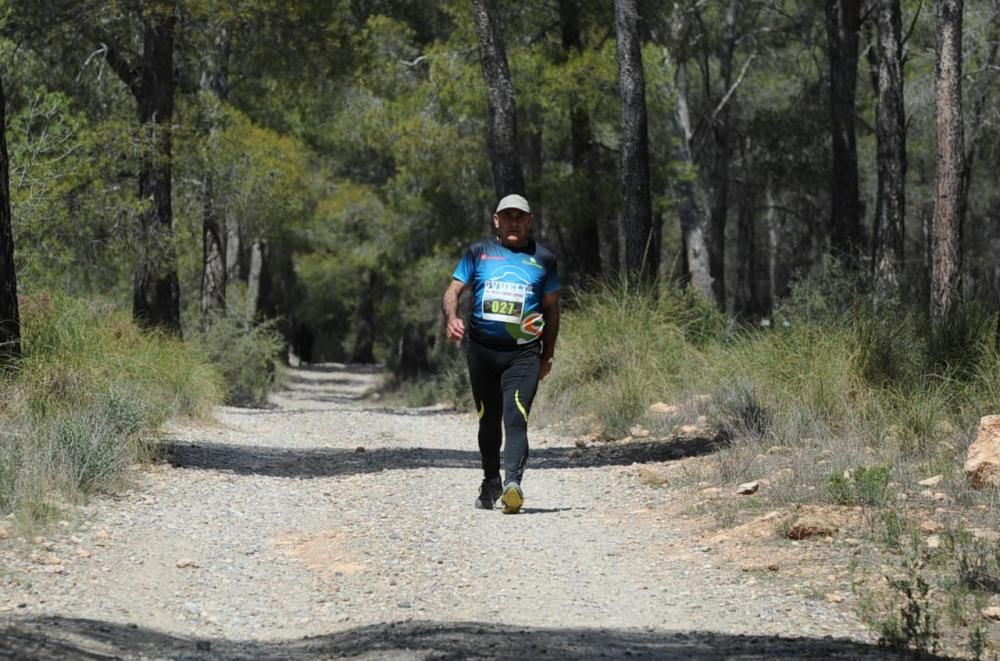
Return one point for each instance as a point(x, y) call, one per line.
point(504, 301)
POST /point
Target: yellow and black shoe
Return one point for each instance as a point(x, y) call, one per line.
point(489, 493)
point(512, 498)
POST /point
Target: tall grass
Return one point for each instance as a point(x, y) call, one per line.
point(870, 385)
point(86, 399)
point(621, 349)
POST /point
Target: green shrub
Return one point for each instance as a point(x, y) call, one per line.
point(739, 412)
point(887, 349)
point(829, 295)
point(914, 622)
point(958, 345)
point(620, 350)
point(86, 398)
point(244, 352)
point(978, 565)
point(862, 486)
point(91, 447)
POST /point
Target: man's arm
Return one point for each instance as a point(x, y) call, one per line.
point(550, 331)
point(454, 327)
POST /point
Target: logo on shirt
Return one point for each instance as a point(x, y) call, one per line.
point(531, 261)
point(484, 257)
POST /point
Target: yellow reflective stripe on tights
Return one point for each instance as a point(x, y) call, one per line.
point(482, 409)
point(517, 400)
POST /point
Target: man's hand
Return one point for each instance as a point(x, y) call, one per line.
point(455, 330)
point(546, 368)
point(454, 326)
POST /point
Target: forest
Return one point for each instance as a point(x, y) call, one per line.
point(322, 164)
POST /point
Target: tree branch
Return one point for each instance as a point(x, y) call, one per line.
point(732, 89)
point(127, 72)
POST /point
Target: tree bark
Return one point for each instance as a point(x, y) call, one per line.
point(843, 22)
point(720, 164)
point(588, 242)
point(214, 82)
point(692, 228)
point(949, 207)
point(502, 131)
point(774, 237)
point(10, 319)
point(747, 298)
point(640, 255)
point(256, 277)
point(156, 295)
point(891, 133)
point(364, 341)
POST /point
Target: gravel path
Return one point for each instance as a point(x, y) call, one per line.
point(325, 527)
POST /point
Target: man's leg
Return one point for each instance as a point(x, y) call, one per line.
point(519, 382)
point(489, 405)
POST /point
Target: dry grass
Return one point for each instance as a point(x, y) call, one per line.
point(85, 401)
point(834, 403)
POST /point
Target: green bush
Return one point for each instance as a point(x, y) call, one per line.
point(888, 350)
point(862, 486)
point(244, 352)
point(739, 411)
point(92, 446)
point(619, 350)
point(913, 625)
point(86, 399)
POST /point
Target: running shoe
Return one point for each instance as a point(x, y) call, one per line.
point(489, 493)
point(512, 498)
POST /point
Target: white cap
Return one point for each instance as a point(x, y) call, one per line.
point(513, 202)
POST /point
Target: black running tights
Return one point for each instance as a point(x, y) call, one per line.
point(504, 382)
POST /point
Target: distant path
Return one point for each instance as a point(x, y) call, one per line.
point(326, 527)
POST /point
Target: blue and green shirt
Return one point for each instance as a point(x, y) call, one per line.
point(508, 285)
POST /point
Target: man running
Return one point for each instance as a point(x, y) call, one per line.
point(512, 340)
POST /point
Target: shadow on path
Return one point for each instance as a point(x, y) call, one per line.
point(62, 638)
point(329, 462)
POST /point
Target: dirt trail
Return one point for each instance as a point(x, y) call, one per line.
point(327, 526)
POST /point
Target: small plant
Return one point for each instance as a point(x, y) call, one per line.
point(862, 486)
point(913, 625)
point(840, 488)
point(892, 531)
point(89, 448)
point(978, 565)
point(739, 411)
point(888, 350)
point(979, 643)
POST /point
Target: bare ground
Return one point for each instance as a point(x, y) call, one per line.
point(330, 526)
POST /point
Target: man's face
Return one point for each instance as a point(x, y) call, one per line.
point(513, 227)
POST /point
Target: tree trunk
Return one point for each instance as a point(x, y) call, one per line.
point(214, 82)
point(843, 21)
point(364, 341)
point(720, 164)
point(533, 162)
point(774, 231)
point(502, 135)
point(256, 276)
point(588, 244)
point(890, 130)
point(10, 319)
point(640, 255)
point(747, 299)
point(949, 207)
point(156, 299)
point(692, 228)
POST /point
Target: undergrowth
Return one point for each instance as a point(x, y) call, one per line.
point(86, 399)
point(838, 398)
